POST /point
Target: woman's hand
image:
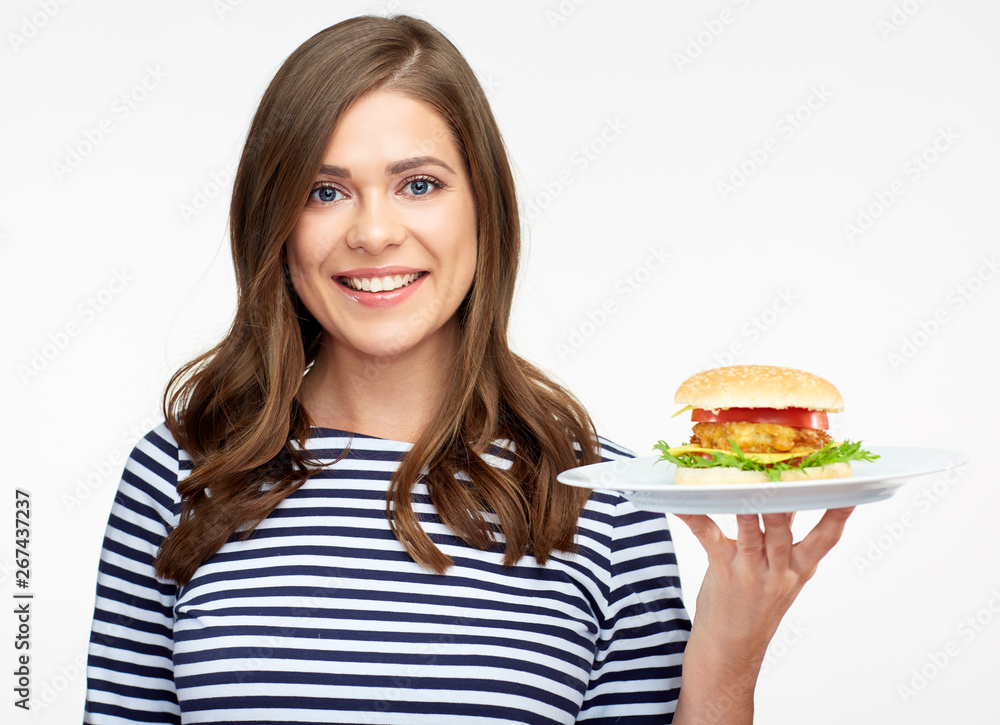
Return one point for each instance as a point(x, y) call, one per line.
point(750, 584)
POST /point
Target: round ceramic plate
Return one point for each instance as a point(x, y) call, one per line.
point(649, 484)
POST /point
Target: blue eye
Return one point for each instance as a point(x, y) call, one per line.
point(419, 187)
point(324, 194)
point(423, 185)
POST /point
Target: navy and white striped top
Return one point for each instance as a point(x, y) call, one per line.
point(322, 617)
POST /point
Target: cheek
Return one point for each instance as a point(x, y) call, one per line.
point(302, 272)
point(464, 233)
point(472, 243)
point(473, 259)
point(304, 251)
point(459, 249)
point(293, 254)
point(466, 256)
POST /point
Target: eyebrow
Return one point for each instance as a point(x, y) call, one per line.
point(391, 170)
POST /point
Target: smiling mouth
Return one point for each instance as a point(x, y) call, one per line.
point(380, 284)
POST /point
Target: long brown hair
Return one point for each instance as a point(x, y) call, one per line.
point(235, 409)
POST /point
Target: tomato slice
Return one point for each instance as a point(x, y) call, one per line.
point(793, 417)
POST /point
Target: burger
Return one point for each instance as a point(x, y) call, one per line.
point(759, 423)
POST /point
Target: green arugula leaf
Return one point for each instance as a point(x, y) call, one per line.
point(825, 456)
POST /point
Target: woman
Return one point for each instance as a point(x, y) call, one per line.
point(350, 513)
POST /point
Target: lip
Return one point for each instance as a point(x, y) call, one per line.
point(377, 271)
point(380, 299)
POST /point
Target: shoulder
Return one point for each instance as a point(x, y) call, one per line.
point(611, 453)
point(158, 446)
point(152, 471)
point(612, 519)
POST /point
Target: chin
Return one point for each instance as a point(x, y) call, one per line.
point(383, 345)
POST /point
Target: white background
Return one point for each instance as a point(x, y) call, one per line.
point(110, 281)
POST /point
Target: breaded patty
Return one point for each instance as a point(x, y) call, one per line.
point(759, 437)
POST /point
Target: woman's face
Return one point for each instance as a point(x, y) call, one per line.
point(385, 249)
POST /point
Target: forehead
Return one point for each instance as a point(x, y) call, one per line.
point(389, 126)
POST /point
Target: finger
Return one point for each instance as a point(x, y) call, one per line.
point(778, 540)
point(749, 537)
point(821, 539)
point(708, 533)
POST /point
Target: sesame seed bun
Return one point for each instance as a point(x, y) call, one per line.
point(758, 386)
point(725, 474)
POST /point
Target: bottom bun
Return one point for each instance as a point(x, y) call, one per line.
point(726, 474)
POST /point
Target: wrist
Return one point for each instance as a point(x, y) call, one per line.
point(732, 651)
point(717, 682)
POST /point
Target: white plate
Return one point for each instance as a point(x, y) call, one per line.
point(649, 484)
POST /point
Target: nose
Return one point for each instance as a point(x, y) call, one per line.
point(376, 225)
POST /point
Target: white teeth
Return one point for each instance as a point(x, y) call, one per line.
point(380, 284)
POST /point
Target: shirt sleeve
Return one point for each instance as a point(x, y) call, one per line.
point(644, 627)
point(130, 675)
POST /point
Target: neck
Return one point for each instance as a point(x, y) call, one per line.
point(395, 397)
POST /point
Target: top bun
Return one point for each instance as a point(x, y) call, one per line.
point(758, 386)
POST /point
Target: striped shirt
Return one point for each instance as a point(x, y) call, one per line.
point(322, 617)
